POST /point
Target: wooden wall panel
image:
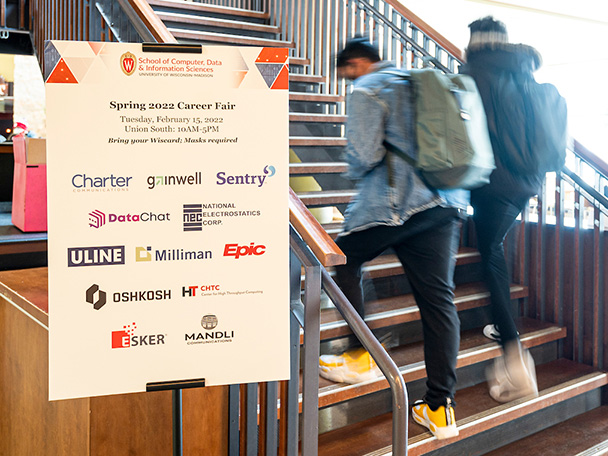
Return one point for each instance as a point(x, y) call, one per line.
point(205, 421)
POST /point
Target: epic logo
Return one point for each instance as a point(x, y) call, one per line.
point(238, 251)
point(96, 297)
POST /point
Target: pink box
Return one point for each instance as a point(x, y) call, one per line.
point(29, 184)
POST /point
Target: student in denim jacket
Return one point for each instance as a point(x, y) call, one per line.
point(395, 209)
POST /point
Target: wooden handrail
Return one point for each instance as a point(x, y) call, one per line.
point(591, 158)
point(317, 239)
point(152, 22)
point(426, 29)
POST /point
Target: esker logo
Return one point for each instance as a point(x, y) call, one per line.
point(96, 297)
point(238, 251)
point(202, 290)
point(97, 218)
point(126, 338)
point(96, 256)
point(246, 179)
point(128, 63)
point(209, 321)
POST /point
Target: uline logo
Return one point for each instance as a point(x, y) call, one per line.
point(246, 179)
point(97, 297)
point(145, 254)
point(128, 63)
point(126, 338)
point(209, 322)
point(193, 179)
point(96, 256)
point(238, 251)
point(193, 217)
point(97, 218)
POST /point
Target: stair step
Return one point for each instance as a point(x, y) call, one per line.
point(314, 97)
point(474, 348)
point(476, 412)
point(326, 141)
point(327, 198)
point(307, 78)
point(206, 8)
point(196, 35)
point(298, 61)
point(317, 168)
point(396, 310)
point(202, 21)
point(581, 436)
point(326, 118)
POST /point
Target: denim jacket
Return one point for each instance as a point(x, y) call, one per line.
point(389, 190)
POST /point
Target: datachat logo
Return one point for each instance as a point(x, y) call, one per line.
point(238, 251)
point(97, 218)
point(96, 256)
point(126, 338)
point(209, 322)
point(164, 181)
point(98, 298)
point(146, 254)
point(246, 179)
point(111, 183)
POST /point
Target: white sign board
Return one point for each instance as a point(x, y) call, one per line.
point(167, 216)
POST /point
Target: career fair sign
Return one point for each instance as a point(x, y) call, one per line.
point(167, 216)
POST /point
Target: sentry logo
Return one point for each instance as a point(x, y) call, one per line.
point(126, 338)
point(246, 179)
point(238, 251)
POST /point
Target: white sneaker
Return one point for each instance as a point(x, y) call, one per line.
point(492, 332)
point(513, 375)
point(353, 366)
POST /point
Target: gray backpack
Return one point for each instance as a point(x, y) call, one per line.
point(452, 140)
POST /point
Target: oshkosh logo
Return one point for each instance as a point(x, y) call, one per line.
point(96, 297)
point(246, 179)
point(128, 63)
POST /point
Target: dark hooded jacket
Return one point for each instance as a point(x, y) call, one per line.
point(486, 63)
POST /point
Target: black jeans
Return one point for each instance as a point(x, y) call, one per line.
point(426, 244)
point(494, 216)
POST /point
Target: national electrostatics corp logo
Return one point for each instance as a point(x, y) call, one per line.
point(128, 63)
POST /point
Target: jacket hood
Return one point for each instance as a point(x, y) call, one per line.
point(506, 56)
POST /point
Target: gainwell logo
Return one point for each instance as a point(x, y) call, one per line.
point(126, 338)
point(145, 254)
point(96, 256)
point(97, 219)
point(192, 179)
point(98, 298)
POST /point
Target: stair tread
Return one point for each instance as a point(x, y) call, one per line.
point(570, 437)
point(308, 117)
point(309, 78)
point(476, 412)
point(317, 141)
point(316, 97)
point(402, 309)
point(316, 168)
point(227, 38)
point(203, 7)
point(326, 197)
point(474, 348)
point(215, 22)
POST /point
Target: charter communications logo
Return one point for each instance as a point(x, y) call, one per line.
point(96, 256)
point(97, 218)
point(126, 338)
point(147, 254)
point(85, 183)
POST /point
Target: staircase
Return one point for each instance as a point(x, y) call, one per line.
point(570, 416)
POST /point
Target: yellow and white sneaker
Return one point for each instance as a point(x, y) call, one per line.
point(441, 422)
point(352, 366)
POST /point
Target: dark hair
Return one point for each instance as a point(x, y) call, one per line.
point(357, 47)
point(487, 24)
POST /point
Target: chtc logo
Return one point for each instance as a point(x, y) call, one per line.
point(209, 322)
point(238, 251)
point(190, 291)
point(128, 63)
point(96, 297)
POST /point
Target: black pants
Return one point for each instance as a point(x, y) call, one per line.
point(494, 216)
point(426, 245)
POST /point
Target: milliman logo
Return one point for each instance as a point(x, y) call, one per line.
point(128, 63)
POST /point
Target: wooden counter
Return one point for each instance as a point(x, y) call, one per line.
point(125, 424)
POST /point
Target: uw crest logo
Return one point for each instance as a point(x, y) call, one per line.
point(128, 63)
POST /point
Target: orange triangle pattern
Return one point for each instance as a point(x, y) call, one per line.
point(62, 74)
point(96, 46)
point(273, 55)
point(282, 80)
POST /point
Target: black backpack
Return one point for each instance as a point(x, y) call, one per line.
point(530, 125)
